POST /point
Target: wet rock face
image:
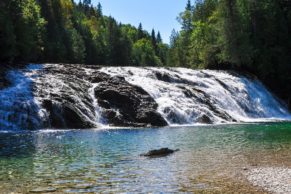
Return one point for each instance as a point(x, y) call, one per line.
point(65, 115)
point(63, 93)
point(67, 94)
point(127, 105)
point(204, 119)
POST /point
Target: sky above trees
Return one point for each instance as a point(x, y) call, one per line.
point(158, 14)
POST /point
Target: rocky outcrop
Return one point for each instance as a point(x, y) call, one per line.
point(63, 93)
point(81, 96)
point(204, 119)
point(67, 94)
point(127, 105)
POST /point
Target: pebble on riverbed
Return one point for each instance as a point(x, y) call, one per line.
point(43, 190)
point(272, 179)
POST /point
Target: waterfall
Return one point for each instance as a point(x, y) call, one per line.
point(68, 96)
point(18, 107)
point(186, 96)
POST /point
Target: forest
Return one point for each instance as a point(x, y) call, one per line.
point(61, 31)
point(244, 35)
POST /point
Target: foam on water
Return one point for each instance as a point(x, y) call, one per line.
point(19, 109)
point(184, 95)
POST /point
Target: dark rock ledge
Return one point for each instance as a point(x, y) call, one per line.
point(63, 91)
point(125, 104)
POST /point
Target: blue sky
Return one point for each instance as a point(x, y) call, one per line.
point(158, 14)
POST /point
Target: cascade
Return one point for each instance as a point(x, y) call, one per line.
point(79, 96)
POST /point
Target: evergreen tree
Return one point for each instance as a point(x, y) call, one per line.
point(99, 10)
point(154, 40)
point(87, 2)
point(29, 31)
point(159, 38)
point(143, 54)
point(186, 18)
point(63, 31)
point(140, 32)
point(7, 36)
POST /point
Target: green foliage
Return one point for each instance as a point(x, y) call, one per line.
point(62, 31)
point(77, 47)
point(21, 31)
point(30, 31)
point(7, 36)
point(243, 35)
point(144, 55)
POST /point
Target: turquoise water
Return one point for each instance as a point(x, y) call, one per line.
point(87, 161)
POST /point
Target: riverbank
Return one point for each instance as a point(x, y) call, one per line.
point(272, 179)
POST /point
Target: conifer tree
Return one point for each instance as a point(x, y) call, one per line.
point(154, 40)
point(140, 33)
point(159, 38)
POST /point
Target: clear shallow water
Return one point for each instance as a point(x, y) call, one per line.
point(211, 158)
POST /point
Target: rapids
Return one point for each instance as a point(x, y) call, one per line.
point(79, 96)
point(184, 95)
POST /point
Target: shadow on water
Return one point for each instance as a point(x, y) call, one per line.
point(16, 144)
point(18, 108)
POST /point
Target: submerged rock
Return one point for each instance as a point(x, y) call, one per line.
point(43, 190)
point(160, 152)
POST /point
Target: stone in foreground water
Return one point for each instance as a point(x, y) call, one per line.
point(160, 152)
point(43, 190)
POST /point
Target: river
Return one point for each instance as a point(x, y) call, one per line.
point(212, 158)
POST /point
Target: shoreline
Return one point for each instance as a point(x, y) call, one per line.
point(271, 179)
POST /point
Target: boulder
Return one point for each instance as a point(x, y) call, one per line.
point(63, 92)
point(204, 119)
point(125, 104)
point(67, 95)
point(159, 153)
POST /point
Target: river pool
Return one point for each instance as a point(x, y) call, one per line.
point(212, 159)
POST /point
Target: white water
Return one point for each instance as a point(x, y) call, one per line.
point(62, 88)
point(184, 96)
point(242, 99)
point(18, 107)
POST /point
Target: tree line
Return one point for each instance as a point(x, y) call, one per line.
point(243, 35)
point(62, 31)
